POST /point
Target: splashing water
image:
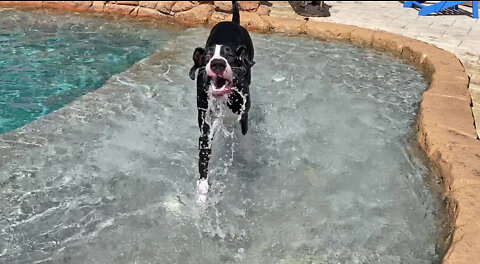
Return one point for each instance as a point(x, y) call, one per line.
point(327, 173)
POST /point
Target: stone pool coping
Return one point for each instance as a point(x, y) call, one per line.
point(446, 128)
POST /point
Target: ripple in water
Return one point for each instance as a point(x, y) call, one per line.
point(327, 173)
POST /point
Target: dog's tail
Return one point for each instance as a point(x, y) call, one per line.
point(236, 15)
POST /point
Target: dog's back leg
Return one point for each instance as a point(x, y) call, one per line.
point(244, 118)
point(244, 123)
point(244, 114)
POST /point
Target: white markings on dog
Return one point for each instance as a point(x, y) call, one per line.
point(216, 55)
point(202, 191)
point(217, 52)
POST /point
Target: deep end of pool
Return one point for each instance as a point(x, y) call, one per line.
point(47, 59)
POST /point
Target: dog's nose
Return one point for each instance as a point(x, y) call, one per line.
point(218, 65)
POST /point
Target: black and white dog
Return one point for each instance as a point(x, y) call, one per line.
point(224, 74)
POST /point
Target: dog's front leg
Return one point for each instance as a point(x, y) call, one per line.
point(204, 145)
point(205, 151)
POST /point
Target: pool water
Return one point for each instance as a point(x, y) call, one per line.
point(328, 172)
point(48, 60)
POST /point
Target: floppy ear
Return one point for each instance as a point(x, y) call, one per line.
point(197, 61)
point(242, 56)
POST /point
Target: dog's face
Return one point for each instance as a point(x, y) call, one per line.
point(220, 62)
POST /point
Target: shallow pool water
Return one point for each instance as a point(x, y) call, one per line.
point(328, 172)
point(47, 60)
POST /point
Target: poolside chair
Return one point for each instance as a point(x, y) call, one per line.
point(310, 8)
point(437, 7)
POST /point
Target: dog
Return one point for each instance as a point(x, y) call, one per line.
point(223, 75)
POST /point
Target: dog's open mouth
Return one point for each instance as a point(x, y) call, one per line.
point(221, 86)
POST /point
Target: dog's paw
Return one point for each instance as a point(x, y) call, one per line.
point(202, 186)
point(202, 191)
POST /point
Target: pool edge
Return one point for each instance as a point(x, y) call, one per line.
point(446, 129)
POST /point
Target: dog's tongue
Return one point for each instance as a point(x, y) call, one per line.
point(221, 92)
point(221, 87)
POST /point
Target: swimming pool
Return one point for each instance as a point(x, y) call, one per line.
point(47, 60)
point(329, 172)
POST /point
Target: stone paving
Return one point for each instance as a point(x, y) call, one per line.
point(457, 33)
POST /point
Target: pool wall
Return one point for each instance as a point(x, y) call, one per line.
point(446, 127)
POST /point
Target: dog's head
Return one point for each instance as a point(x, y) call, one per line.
point(220, 62)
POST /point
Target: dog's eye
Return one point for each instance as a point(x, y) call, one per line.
point(227, 49)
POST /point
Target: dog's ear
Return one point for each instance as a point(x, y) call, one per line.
point(242, 56)
point(197, 61)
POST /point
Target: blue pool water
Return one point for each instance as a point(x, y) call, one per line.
point(47, 60)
